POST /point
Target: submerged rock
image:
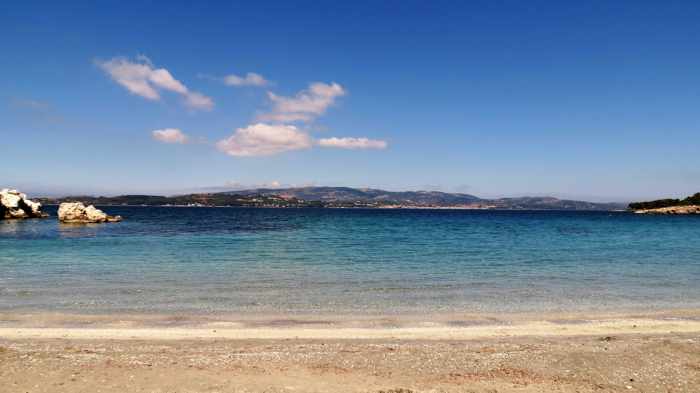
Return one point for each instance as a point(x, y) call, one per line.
point(14, 204)
point(76, 212)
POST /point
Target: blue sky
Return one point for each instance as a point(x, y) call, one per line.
point(595, 100)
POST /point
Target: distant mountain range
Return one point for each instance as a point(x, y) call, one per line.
point(347, 194)
point(343, 197)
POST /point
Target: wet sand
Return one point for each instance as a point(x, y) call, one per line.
point(653, 352)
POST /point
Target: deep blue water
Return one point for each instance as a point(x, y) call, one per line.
point(221, 260)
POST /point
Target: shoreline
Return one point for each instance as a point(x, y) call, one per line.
point(452, 326)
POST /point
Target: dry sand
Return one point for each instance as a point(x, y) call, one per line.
point(657, 352)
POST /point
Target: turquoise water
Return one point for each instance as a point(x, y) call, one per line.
point(229, 260)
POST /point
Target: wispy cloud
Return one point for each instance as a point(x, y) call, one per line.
point(236, 185)
point(30, 104)
point(352, 143)
point(170, 135)
point(250, 79)
point(264, 139)
point(36, 110)
point(306, 105)
point(143, 79)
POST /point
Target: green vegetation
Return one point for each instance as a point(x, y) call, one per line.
point(691, 200)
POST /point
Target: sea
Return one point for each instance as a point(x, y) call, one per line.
point(201, 260)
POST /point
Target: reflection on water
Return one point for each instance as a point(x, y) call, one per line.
point(361, 261)
point(10, 227)
point(75, 230)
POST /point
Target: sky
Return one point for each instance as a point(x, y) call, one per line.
point(592, 100)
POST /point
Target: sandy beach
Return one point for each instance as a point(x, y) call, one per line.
point(652, 352)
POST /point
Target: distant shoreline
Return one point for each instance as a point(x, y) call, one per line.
point(366, 208)
point(340, 197)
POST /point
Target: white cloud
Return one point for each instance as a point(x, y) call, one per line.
point(170, 135)
point(250, 79)
point(305, 105)
point(199, 101)
point(143, 79)
point(352, 143)
point(133, 76)
point(263, 140)
point(163, 79)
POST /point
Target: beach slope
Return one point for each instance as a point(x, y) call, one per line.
point(631, 354)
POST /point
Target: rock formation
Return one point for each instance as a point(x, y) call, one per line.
point(14, 204)
point(76, 212)
point(689, 209)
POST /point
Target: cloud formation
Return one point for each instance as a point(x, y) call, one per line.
point(264, 139)
point(352, 143)
point(170, 135)
point(306, 105)
point(250, 79)
point(143, 79)
point(273, 135)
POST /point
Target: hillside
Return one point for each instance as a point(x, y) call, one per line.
point(202, 199)
point(348, 194)
point(342, 197)
point(550, 203)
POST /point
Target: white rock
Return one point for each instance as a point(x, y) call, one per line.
point(76, 212)
point(14, 204)
point(687, 209)
point(34, 206)
point(10, 198)
point(94, 213)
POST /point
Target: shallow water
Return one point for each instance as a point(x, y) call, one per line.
point(237, 260)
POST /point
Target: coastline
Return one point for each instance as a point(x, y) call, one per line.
point(383, 207)
point(671, 210)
